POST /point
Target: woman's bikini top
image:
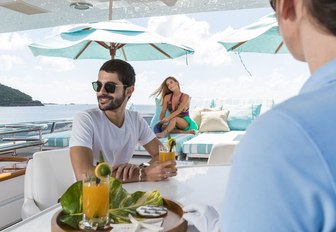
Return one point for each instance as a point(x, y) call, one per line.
point(184, 113)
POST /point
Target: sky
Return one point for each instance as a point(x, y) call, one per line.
point(211, 71)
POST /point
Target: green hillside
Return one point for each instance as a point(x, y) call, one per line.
point(14, 97)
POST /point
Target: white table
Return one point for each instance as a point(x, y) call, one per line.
point(196, 184)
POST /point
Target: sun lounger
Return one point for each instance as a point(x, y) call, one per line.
point(201, 145)
point(239, 115)
point(242, 112)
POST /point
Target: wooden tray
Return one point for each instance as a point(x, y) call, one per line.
point(172, 222)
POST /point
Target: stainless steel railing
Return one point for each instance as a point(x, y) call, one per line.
point(15, 142)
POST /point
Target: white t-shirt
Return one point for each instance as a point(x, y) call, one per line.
point(93, 129)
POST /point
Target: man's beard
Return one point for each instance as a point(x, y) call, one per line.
point(114, 104)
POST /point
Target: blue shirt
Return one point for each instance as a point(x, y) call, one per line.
point(283, 175)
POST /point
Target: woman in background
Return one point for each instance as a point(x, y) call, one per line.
point(177, 103)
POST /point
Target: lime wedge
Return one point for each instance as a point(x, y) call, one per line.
point(171, 143)
point(103, 170)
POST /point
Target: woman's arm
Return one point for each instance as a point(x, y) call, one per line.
point(184, 103)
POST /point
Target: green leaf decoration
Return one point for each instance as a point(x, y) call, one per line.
point(129, 205)
point(71, 219)
point(121, 203)
point(169, 137)
point(71, 200)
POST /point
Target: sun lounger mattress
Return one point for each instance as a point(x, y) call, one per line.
point(202, 143)
point(58, 139)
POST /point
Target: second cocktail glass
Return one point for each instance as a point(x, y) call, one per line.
point(166, 155)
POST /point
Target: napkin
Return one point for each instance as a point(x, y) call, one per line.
point(204, 217)
point(147, 225)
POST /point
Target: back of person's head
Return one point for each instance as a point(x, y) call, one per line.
point(323, 12)
point(124, 70)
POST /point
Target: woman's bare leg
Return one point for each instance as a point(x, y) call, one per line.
point(175, 125)
point(161, 134)
point(171, 125)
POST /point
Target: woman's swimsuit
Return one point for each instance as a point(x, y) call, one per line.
point(184, 114)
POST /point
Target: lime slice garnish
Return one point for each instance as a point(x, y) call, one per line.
point(171, 143)
point(103, 170)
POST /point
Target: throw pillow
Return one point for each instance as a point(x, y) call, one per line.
point(241, 116)
point(214, 121)
point(196, 114)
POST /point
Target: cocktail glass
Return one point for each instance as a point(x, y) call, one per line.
point(166, 155)
point(95, 203)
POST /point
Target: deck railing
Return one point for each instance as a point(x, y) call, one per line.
point(14, 142)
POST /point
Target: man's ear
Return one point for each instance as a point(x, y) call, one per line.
point(288, 9)
point(130, 90)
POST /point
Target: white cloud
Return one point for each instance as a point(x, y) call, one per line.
point(13, 41)
point(7, 62)
point(57, 64)
point(192, 33)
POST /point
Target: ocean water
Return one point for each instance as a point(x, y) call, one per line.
point(53, 112)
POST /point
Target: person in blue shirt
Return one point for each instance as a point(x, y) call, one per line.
point(283, 175)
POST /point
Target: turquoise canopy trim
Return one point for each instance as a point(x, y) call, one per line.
point(110, 40)
point(262, 36)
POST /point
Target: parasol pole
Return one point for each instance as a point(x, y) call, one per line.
point(112, 49)
point(110, 10)
point(278, 48)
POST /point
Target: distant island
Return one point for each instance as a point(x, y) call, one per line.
point(14, 97)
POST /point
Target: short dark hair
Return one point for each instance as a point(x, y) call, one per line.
point(324, 13)
point(124, 70)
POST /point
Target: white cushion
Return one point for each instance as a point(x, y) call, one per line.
point(196, 114)
point(214, 121)
point(47, 177)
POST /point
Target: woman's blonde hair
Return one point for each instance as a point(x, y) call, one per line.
point(163, 90)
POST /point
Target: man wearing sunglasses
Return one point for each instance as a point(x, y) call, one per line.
point(113, 131)
point(283, 175)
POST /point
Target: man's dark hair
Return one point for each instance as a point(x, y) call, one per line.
point(124, 70)
point(324, 13)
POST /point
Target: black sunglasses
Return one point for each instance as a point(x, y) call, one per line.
point(108, 86)
point(273, 4)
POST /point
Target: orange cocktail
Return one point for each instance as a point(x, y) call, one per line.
point(96, 202)
point(167, 156)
